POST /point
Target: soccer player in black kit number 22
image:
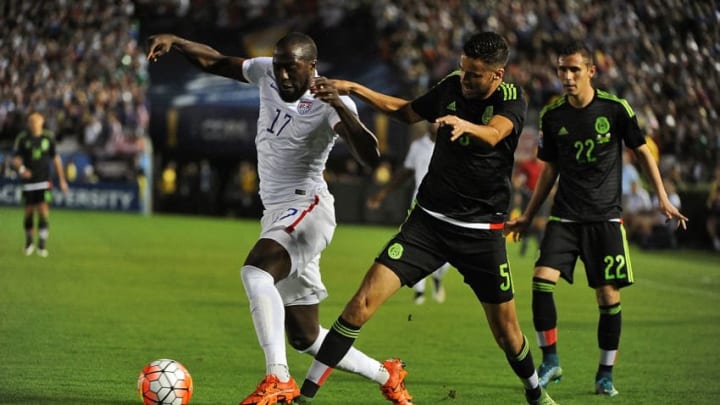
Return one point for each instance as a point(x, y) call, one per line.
point(461, 207)
point(582, 136)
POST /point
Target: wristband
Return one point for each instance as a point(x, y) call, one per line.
point(21, 169)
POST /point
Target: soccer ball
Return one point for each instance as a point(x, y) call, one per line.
point(165, 382)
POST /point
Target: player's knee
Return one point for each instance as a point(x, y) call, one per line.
point(300, 341)
point(607, 295)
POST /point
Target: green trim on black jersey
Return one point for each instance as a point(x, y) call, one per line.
point(607, 96)
point(509, 91)
point(449, 75)
point(551, 106)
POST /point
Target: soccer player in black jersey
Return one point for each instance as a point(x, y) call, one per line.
point(461, 207)
point(33, 154)
point(581, 141)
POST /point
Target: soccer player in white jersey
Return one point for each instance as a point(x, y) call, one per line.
point(416, 165)
point(300, 118)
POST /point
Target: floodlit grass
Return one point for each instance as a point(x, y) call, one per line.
point(121, 290)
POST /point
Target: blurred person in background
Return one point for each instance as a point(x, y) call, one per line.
point(300, 118)
point(581, 141)
point(713, 205)
point(525, 177)
point(651, 229)
point(34, 158)
point(416, 165)
point(636, 205)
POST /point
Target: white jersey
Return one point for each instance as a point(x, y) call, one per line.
point(418, 159)
point(293, 140)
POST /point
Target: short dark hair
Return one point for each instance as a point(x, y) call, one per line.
point(489, 47)
point(302, 42)
point(573, 47)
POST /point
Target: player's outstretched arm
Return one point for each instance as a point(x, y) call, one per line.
point(395, 107)
point(200, 55)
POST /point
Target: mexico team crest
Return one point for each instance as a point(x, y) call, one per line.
point(304, 106)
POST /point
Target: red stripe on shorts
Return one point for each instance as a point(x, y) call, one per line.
point(291, 228)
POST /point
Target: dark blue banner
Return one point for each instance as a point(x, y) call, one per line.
point(87, 196)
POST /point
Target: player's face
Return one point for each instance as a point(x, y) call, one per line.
point(478, 80)
point(35, 124)
point(575, 73)
point(292, 73)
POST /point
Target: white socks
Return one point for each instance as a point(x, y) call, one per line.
point(268, 315)
point(354, 361)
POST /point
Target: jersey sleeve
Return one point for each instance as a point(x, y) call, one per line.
point(633, 136)
point(334, 118)
point(18, 144)
point(254, 68)
point(547, 149)
point(427, 104)
point(52, 150)
point(514, 106)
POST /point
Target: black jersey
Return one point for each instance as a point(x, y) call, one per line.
point(586, 146)
point(37, 153)
point(468, 179)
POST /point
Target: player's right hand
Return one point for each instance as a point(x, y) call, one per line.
point(516, 227)
point(158, 45)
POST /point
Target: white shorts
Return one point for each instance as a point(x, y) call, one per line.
point(304, 227)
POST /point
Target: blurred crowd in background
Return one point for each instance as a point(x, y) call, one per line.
point(660, 55)
point(82, 64)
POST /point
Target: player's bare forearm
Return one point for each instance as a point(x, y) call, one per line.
point(495, 131)
point(200, 55)
point(396, 107)
point(647, 162)
point(545, 183)
point(651, 170)
point(60, 173)
point(362, 142)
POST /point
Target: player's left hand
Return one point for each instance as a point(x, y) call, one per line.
point(323, 89)
point(671, 212)
point(459, 125)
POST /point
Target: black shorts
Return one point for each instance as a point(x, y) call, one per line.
point(602, 246)
point(424, 243)
point(37, 196)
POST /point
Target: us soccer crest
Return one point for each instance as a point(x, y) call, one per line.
point(304, 106)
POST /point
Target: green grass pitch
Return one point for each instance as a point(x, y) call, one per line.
point(121, 290)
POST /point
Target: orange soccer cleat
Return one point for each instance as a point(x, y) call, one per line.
point(394, 389)
point(272, 391)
